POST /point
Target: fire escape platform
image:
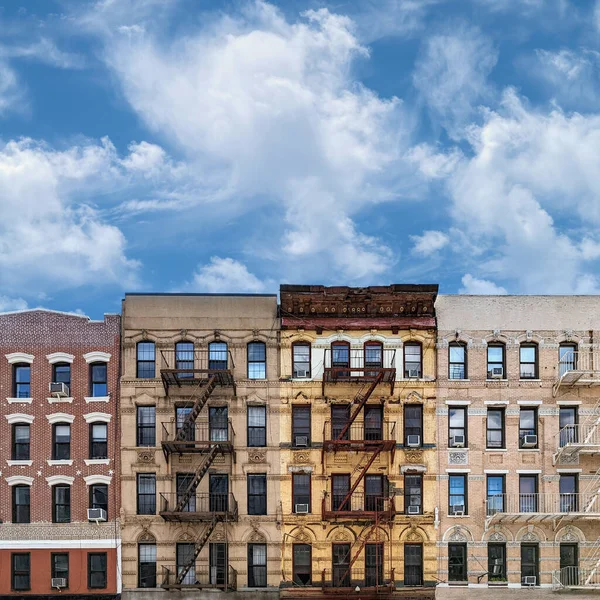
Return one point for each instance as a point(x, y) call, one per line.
point(359, 445)
point(358, 516)
point(195, 446)
point(183, 378)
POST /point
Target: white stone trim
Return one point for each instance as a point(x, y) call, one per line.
point(569, 470)
point(89, 399)
point(496, 471)
point(19, 463)
point(92, 479)
point(19, 418)
point(19, 400)
point(52, 544)
point(97, 417)
point(96, 356)
point(18, 480)
point(60, 418)
point(96, 461)
point(496, 402)
point(59, 463)
point(57, 400)
point(530, 402)
point(60, 357)
point(528, 471)
point(19, 357)
point(58, 479)
point(496, 450)
point(458, 470)
point(457, 402)
point(569, 402)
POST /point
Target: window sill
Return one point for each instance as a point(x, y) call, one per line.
point(496, 380)
point(496, 450)
point(19, 463)
point(97, 461)
point(454, 379)
point(58, 400)
point(59, 463)
point(529, 449)
point(458, 448)
point(19, 400)
point(458, 516)
point(89, 399)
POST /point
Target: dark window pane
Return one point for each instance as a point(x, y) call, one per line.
point(146, 360)
point(146, 426)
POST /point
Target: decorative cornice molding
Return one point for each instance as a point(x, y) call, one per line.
point(60, 357)
point(19, 357)
point(96, 356)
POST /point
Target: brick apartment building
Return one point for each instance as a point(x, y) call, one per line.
point(59, 455)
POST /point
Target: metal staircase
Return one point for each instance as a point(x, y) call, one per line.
point(201, 400)
point(198, 475)
point(592, 492)
point(199, 543)
point(582, 438)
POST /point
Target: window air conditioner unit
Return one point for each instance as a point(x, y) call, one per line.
point(529, 580)
point(458, 441)
point(301, 440)
point(530, 441)
point(414, 510)
point(59, 582)
point(498, 373)
point(458, 509)
point(301, 373)
point(413, 440)
point(96, 514)
point(301, 508)
point(414, 373)
point(60, 389)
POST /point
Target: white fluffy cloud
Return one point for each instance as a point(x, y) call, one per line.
point(429, 243)
point(452, 76)
point(223, 275)
point(472, 285)
point(9, 304)
point(269, 109)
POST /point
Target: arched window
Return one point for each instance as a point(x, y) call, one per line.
point(217, 356)
point(567, 357)
point(146, 360)
point(373, 354)
point(340, 358)
point(184, 359)
point(413, 360)
point(147, 564)
point(528, 361)
point(301, 360)
point(457, 360)
point(257, 360)
point(496, 361)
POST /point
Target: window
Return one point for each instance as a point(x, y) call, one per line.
point(457, 498)
point(457, 426)
point(97, 570)
point(218, 421)
point(184, 360)
point(495, 361)
point(60, 566)
point(528, 496)
point(340, 356)
point(496, 562)
point(302, 564)
point(373, 357)
point(146, 494)
point(257, 565)
point(257, 494)
point(99, 379)
point(569, 564)
point(567, 358)
point(373, 422)
point(413, 564)
point(567, 422)
point(217, 356)
point(21, 571)
point(301, 425)
point(184, 481)
point(530, 562)
point(495, 428)
point(528, 427)
point(61, 373)
point(457, 562)
point(22, 381)
point(146, 426)
point(457, 361)
point(568, 488)
point(99, 496)
point(413, 494)
point(495, 494)
point(528, 359)
point(373, 565)
point(340, 415)
point(21, 441)
point(181, 422)
point(146, 565)
point(301, 359)
point(61, 446)
point(340, 487)
point(218, 491)
point(218, 563)
point(413, 425)
point(301, 489)
point(21, 503)
point(257, 360)
point(61, 504)
point(374, 492)
point(257, 426)
point(146, 360)
point(340, 559)
point(184, 555)
point(412, 360)
point(98, 440)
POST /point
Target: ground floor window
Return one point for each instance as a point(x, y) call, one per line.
point(457, 562)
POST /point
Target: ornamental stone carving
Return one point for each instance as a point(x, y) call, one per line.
point(301, 457)
point(413, 536)
point(413, 456)
point(530, 537)
point(217, 536)
point(303, 537)
point(496, 536)
point(458, 458)
point(569, 535)
point(146, 457)
point(257, 456)
point(257, 537)
point(457, 536)
point(341, 536)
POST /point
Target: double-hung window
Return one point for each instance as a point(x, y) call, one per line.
point(184, 360)
point(528, 493)
point(22, 381)
point(21, 441)
point(495, 494)
point(413, 425)
point(457, 361)
point(567, 423)
point(60, 566)
point(457, 562)
point(528, 361)
point(302, 564)
point(61, 504)
point(146, 494)
point(218, 423)
point(496, 359)
point(301, 425)
point(530, 567)
point(457, 426)
point(61, 443)
point(146, 565)
point(146, 360)
point(61, 373)
point(21, 571)
point(496, 562)
point(97, 570)
point(98, 440)
point(301, 360)
point(21, 498)
point(567, 358)
point(181, 423)
point(568, 488)
point(99, 380)
point(301, 492)
point(217, 356)
point(457, 497)
point(257, 565)
point(257, 426)
point(257, 360)
point(146, 425)
point(413, 367)
point(495, 428)
point(528, 425)
point(257, 494)
point(99, 496)
point(413, 494)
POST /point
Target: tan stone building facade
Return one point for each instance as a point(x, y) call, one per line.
point(518, 441)
point(200, 444)
point(358, 441)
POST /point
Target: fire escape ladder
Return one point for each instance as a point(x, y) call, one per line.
point(594, 558)
point(201, 400)
point(363, 542)
point(360, 400)
point(203, 467)
point(363, 472)
point(594, 490)
point(199, 543)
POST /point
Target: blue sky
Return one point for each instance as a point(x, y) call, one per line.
point(229, 146)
